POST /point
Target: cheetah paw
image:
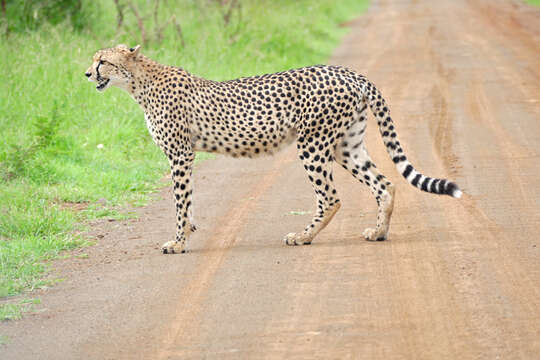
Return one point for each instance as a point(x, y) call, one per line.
point(372, 234)
point(296, 239)
point(172, 247)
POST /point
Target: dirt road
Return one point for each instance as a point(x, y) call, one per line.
point(458, 279)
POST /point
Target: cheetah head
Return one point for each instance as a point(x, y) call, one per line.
point(112, 67)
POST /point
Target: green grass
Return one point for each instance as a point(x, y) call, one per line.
point(63, 143)
point(14, 311)
point(534, 2)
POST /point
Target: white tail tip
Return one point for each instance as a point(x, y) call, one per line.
point(457, 193)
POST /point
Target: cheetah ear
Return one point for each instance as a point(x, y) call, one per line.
point(135, 51)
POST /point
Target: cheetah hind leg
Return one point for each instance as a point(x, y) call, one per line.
point(352, 154)
point(320, 174)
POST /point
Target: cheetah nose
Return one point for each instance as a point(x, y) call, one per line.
point(87, 74)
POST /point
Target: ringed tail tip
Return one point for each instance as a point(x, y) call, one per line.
point(453, 190)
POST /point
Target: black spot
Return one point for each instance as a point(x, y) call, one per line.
point(416, 179)
point(433, 187)
point(407, 171)
point(450, 188)
point(425, 183)
point(442, 184)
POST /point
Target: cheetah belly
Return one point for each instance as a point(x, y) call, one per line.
point(244, 144)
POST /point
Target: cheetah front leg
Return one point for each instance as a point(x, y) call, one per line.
point(181, 170)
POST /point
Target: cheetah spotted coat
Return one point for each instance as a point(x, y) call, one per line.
point(323, 108)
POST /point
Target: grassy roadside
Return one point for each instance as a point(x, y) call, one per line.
point(69, 154)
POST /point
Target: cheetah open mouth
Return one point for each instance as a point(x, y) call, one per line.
point(102, 84)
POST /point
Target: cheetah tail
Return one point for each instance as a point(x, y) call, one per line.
point(389, 135)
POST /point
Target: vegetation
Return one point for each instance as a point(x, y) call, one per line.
point(68, 153)
point(14, 311)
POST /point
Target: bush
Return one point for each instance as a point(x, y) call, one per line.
point(26, 15)
point(18, 159)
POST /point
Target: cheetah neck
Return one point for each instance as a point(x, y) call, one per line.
point(144, 72)
point(147, 77)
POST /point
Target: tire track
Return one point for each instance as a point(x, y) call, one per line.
point(184, 325)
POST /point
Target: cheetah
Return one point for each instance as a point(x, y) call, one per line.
point(324, 108)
